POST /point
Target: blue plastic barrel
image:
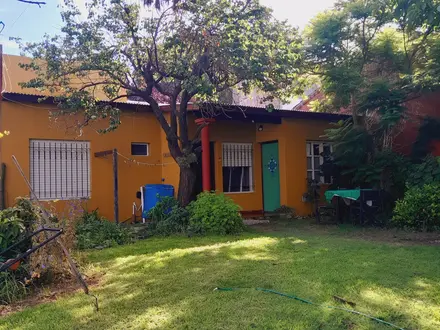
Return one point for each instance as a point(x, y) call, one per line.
point(153, 193)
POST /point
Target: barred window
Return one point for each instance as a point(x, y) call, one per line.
point(60, 169)
point(237, 167)
point(315, 159)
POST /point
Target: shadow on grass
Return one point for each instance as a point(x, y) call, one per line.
point(168, 284)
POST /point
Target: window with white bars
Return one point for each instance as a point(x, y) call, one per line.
point(60, 169)
point(237, 167)
point(315, 152)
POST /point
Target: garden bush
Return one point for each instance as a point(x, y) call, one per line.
point(15, 224)
point(168, 217)
point(213, 213)
point(11, 230)
point(419, 209)
point(427, 172)
point(94, 231)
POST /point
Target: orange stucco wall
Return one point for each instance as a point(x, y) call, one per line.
point(239, 132)
point(32, 121)
point(292, 136)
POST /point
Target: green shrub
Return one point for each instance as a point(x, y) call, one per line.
point(213, 213)
point(11, 230)
point(427, 172)
point(419, 209)
point(161, 210)
point(94, 231)
point(176, 222)
point(15, 224)
point(168, 217)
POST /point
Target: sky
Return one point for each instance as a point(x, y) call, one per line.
point(30, 22)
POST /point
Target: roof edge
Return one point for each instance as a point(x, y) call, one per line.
point(33, 98)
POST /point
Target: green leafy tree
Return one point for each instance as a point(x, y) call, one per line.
point(370, 57)
point(185, 51)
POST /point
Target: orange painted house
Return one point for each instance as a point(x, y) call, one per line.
point(261, 160)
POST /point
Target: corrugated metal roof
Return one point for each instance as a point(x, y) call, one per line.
point(280, 112)
point(245, 111)
point(34, 98)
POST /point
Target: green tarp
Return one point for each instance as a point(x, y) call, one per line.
point(353, 194)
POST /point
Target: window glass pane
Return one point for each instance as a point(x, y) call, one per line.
point(236, 179)
point(317, 162)
point(309, 175)
point(246, 183)
point(317, 175)
point(139, 149)
point(309, 163)
point(316, 149)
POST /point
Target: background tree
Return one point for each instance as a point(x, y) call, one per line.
point(186, 51)
point(370, 57)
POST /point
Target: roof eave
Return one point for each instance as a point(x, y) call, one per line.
point(41, 99)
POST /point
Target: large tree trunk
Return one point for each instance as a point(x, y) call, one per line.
point(188, 177)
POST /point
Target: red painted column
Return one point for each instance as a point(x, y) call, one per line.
point(206, 157)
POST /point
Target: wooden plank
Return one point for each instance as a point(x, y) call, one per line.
point(103, 153)
point(115, 185)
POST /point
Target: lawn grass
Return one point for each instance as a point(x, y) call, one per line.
point(167, 283)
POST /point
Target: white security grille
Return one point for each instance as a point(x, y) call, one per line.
point(60, 169)
point(237, 154)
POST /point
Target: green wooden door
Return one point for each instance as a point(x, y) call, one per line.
point(271, 176)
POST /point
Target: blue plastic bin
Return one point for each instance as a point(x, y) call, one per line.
point(153, 193)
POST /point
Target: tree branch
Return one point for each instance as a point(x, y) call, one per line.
point(119, 97)
point(183, 120)
point(38, 3)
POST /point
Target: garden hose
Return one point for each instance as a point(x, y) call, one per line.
point(314, 304)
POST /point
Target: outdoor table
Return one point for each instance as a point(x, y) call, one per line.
point(348, 196)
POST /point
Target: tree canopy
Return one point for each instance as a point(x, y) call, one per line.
point(181, 51)
point(370, 57)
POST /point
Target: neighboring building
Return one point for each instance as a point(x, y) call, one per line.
point(260, 159)
point(312, 94)
point(428, 105)
point(407, 132)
